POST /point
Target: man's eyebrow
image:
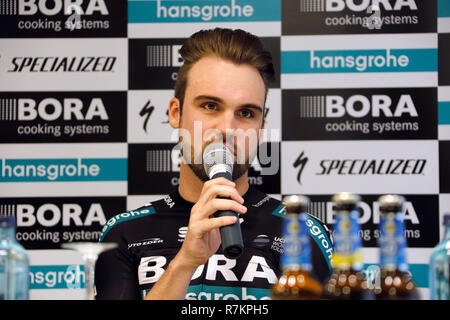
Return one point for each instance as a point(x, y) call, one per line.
point(217, 99)
point(204, 97)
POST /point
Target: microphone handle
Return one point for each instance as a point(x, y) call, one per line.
point(231, 235)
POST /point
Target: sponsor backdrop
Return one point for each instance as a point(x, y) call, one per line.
point(361, 104)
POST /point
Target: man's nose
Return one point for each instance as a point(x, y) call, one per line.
point(226, 122)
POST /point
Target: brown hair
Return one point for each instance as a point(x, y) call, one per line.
point(237, 46)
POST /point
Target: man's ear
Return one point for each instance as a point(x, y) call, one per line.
point(174, 113)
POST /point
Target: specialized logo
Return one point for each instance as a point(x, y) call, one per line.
point(351, 16)
point(300, 163)
point(361, 166)
point(63, 64)
point(146, 112)
point(359, 113)
point(63, 18)
point(61, 117)
point(353, 167)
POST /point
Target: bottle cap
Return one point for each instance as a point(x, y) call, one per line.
point(296, 203)
point(7, 221)
point(391, 203)
point(345, 200)
point(447, 219)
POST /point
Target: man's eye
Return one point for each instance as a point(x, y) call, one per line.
point(210, 106)
point(246, 113)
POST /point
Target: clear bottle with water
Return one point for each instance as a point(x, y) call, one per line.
point(14, 263)
point(440, 266)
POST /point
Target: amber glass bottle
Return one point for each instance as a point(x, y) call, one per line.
point(296, 282)
point(347, 281)
point(395, 280)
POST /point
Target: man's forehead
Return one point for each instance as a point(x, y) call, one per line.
point(217, 77)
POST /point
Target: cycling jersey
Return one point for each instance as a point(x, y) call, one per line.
point(148, 239)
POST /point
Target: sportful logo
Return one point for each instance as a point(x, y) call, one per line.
point(340, 61)
point(203, 11)
point(76, 169)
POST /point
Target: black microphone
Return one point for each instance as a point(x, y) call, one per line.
point(218, 162)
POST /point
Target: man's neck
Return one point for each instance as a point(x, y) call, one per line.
point(191, 186)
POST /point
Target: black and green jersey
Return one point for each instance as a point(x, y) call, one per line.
point(150, 237)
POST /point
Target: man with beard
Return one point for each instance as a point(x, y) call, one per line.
point(170, 249)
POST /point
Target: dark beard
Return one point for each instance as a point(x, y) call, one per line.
point(238, 171)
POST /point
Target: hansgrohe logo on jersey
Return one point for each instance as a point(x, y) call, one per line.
point(359, 61)
point(203, 10)
point(71, 169)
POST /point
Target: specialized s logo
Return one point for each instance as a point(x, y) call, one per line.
point(146, 112)
point(300, 162)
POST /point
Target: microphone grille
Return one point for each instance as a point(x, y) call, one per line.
point(217, 153)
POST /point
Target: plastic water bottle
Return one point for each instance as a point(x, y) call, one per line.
point(440, 266)
point(14, 264)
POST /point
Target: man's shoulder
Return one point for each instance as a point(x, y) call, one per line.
point(124, 219)
point(262, 202)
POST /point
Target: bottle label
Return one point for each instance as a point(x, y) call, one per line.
point(347, 242)
point(393, 242)
point(296, 252)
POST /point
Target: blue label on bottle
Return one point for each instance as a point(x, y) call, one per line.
point(346, 233)
point(296, 243)
point(393, 242)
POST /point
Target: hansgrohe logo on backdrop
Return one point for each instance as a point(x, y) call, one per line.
point(57, 277)
point(50, 170)
point(376, 60)
point(203, 10)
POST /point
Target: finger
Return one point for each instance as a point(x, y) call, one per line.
point(223, 204)
point(215, 223)
point(223, 191)
point(200, 212)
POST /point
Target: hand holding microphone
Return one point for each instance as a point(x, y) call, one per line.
point(218, 162)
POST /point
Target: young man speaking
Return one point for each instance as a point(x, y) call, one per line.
point(221, 90)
